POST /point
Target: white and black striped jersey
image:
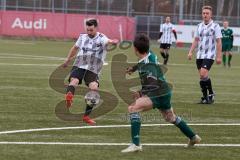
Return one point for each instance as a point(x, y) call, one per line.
point(207, 35)
point(92, 52)
point(167, 32)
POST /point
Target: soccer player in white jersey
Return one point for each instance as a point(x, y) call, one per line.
point(90, 52)
point(165, 37)
point(208, 38)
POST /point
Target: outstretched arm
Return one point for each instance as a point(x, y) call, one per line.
point(132, 69)
point(71, 54)
point(113, 41)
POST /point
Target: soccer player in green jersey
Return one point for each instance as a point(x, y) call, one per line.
point(155, 94)
point(227, 43)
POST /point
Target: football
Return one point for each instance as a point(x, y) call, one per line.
point(92, 98)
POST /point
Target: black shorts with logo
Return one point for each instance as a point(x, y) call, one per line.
point(165, 46)
point(204, 63)
point(83, 74)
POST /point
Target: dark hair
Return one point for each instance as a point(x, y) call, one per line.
point(92, 22)
point(207, 7)
point(141, 43)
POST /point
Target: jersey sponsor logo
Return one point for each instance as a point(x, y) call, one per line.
point(40, 24)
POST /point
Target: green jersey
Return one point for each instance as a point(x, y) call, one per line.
point(152, 77)
point(227, 36)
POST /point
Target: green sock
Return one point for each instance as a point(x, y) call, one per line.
point(229, 58)
point(224, 59)
point(186, 130)
point(135, 128)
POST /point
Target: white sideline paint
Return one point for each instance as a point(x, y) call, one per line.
point(29, 64)
point(112, 126)
point(116, 144)
point(34, 57)
point(107, 62)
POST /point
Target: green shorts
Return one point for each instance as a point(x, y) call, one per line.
point(162, 102)
point(226, 47)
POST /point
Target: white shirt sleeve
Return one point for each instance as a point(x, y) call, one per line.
point(161, 27)
point(196, 34)
point(79, 41)
point(104, 40)
point(218, 33)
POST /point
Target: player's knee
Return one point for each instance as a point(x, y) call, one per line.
point(93, 86)
point(203, 75)
point(171, 118)
point(131, 109)
point(74, 82)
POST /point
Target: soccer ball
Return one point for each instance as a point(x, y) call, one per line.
point(92, 98)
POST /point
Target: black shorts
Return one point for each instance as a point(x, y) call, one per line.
point(165, 46)
point(81, 74)
point(204, 63)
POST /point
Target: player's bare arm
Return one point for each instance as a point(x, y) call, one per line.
point(194, 45)
point(131, 70)
point(113, 41)
point(219, 51)
point(72, 53)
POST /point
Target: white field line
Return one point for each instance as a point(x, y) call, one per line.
point(107, 63)
point(29, 64)
point(29, 56)
point(112, 126)
point(62, 58)
point(34, 57)
point(115, 144)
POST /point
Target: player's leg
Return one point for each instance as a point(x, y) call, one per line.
point(202, 82)
point(205, 82)
point(91, 80)
point(141, 104)
point(224, 58)
point(207, 64)
point(162, 51)
point(229, 58)
point(224, 54)
point(170, 117)
point(74, 79)
point(228, 53)
point(229, 47)
point(167, 53)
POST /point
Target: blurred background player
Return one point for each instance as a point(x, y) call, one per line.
point(227, 43)
point(208, 38)
point(155, 94)
point(91, 52)
point(165, 38)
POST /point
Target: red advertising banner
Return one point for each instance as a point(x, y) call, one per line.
point(58, 25)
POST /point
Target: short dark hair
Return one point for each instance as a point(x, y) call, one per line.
point(92, 22)
point(207, 7)
point(141, 43)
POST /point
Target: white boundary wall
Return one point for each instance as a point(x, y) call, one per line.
point(185, 33)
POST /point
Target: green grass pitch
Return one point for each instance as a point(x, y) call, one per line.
point(28, 102)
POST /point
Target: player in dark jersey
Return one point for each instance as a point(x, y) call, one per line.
point(227, 43)
point(155, 94)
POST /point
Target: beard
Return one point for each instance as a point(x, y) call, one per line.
point(91, 36)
